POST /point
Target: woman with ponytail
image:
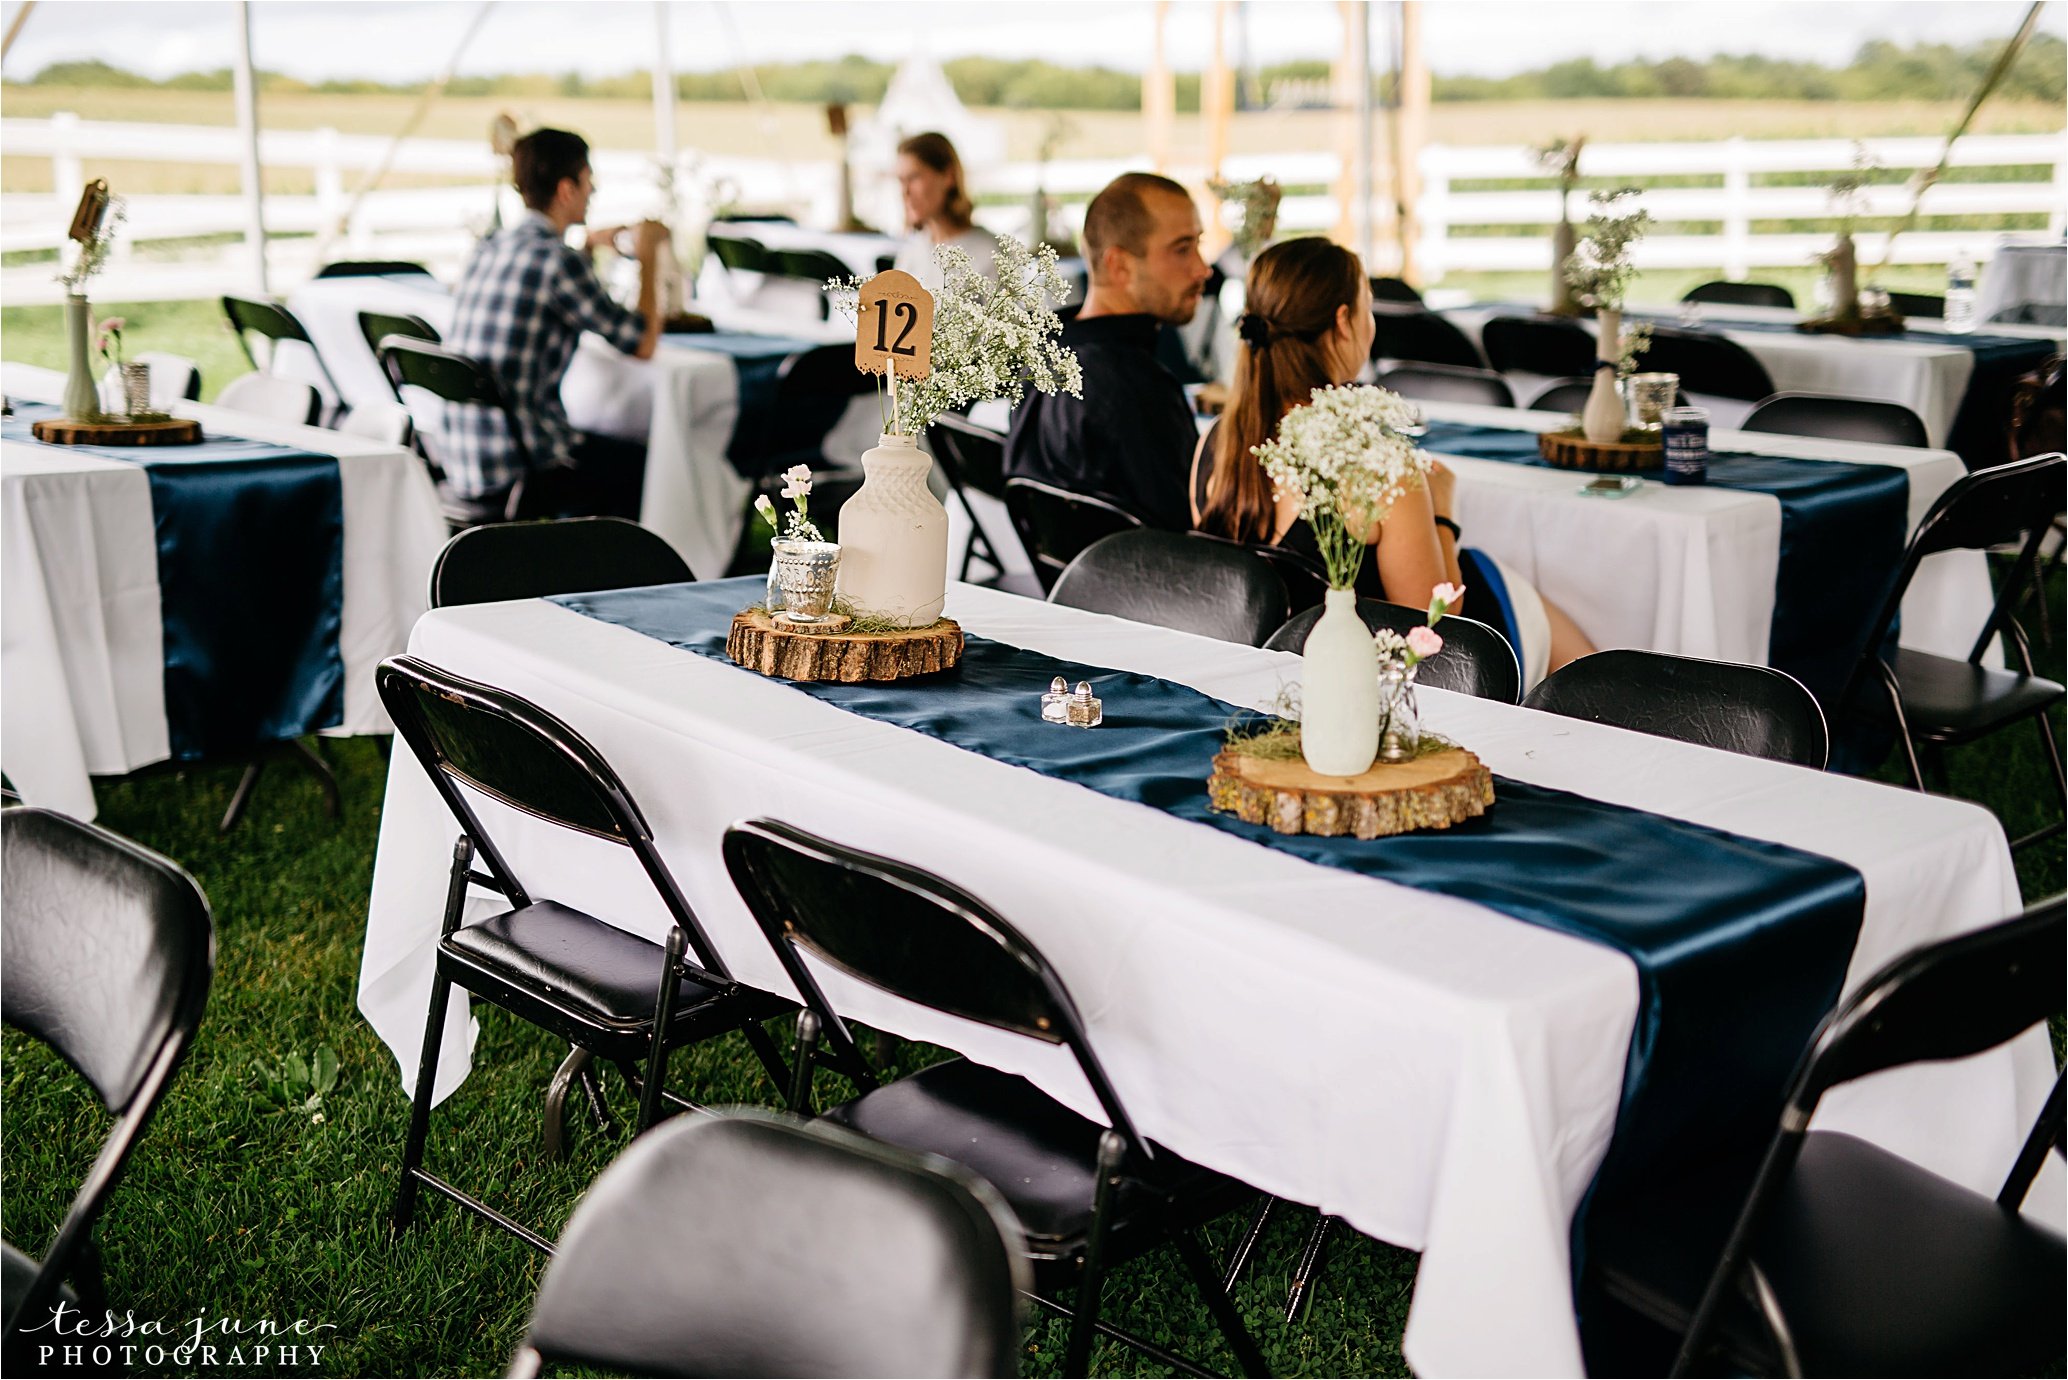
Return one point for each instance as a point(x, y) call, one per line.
point(1309, 325)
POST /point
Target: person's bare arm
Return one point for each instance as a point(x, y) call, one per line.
point(1415, 555)
point(650, 242)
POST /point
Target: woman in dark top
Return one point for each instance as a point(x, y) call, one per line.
point(1309, 325)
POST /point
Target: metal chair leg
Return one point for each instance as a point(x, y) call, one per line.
point(1077, 1357)
point(771, 1058)
point(1247, 1246)
point(1308, 1269)
point(420, 1104)
point(308, 757)
point(302, 755)
point(571, 1068)
point(1247, 1353)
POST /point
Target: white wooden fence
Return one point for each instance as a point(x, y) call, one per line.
point(1462, 230)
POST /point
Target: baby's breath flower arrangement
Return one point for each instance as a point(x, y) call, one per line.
point(1349, 454)
point(1601, 268)
point(991, 339)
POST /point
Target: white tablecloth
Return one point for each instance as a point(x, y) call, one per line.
point(682, 403)
point(83, 664)
point(2022, 275)
point(1928, 377)
point(1442, 1076)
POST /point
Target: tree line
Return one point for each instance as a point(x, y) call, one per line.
point(1879, 71)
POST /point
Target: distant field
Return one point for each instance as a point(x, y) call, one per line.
point(798, 131)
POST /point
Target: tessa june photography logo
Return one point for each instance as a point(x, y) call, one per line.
point(70, 1337)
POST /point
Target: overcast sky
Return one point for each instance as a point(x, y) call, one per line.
point(398, 40)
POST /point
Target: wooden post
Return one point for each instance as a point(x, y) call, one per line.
point(1412, 131)
point(1342, 99)
point(1217, 105)
point(1159, 96)
point(246, 89)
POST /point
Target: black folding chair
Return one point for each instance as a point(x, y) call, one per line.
point(740, 253)
point(604, 991)
point(1305, 581)
point(376, 326)
point(459, 379)
point(971, 457)
point(1539, 345)
point(1213, 588)
point(1449, 383)
point(811, 266)
point(1394, 290)
point(1754, 710)
point(1937, 700)
point(1408, 332)
point(1707, 363)
point(756, 1246)
point(371, 268)
point(530, 560)
point(1845, 1259)
point(1839, 419)
point(1566, 395)
point(110, 952)
point(274, 323)
point(1476, 660)
point(1055, 524)
point(1924, 304)
point(1088, 1198)
point(1741, 294)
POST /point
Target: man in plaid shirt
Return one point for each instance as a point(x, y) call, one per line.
point(522, 306)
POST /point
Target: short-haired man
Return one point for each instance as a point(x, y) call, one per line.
point(1131, 436)
point(523, 304)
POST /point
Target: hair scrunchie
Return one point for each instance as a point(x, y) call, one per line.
point(1253, 329)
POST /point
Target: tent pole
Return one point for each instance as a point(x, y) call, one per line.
point(1412, 129)
point(1159, 96)
point(14, 28)
point(1366, 233)
point(664, 147)
point(247, 126)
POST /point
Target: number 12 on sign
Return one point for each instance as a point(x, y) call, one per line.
point(894, 327)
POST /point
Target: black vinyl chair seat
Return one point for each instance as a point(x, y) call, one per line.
point(571, 973)
point(1041, 1155)
point(1950, 701)
point(1213, 588)
point(1842, 1250)
point(1476, 660)
point(1754, 710)
point(1566, 395)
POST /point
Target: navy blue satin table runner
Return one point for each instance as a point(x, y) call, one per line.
point(251, 585)
point(1740, 945)
point(765, 437)
point(1843, 530)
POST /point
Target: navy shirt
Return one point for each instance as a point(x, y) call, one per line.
point(1129, 438)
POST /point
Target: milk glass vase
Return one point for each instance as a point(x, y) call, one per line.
point(1339, 690)
point(894, 538)
point(82, 398)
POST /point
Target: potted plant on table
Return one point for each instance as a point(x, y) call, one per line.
point(992, 338)
point(805, 565)
point(1600, 270)
point(1348, 455)
point(1561, 158)
point(92, 235)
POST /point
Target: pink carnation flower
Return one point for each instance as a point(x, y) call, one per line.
point(1444, 598)
point(1424, 643)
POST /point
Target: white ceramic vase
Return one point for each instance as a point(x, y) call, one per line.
point(894, 537)
point(1603, 418)
point(1339, 690)
point(82, 398)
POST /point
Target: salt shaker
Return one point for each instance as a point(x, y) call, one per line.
point(1055, 702)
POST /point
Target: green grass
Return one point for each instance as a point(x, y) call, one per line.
point(196, 329)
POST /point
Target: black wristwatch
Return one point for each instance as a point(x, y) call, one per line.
point(1445, 522)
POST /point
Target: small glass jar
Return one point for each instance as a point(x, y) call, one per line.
point(1650, 395)
point(1687, 445)
point(1400, 722)
point(806, 571)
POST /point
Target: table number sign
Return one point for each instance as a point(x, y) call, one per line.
point(894, 326)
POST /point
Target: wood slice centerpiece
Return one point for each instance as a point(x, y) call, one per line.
point(1880, 323)
point(1570, 449)
point(1434, 791)
point(117, 431)
point(828, 650)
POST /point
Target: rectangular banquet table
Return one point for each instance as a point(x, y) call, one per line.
point(684, 403)
point(1930, 371)
point(85, 688)
point(1687, 570)
point(1442, 1076)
